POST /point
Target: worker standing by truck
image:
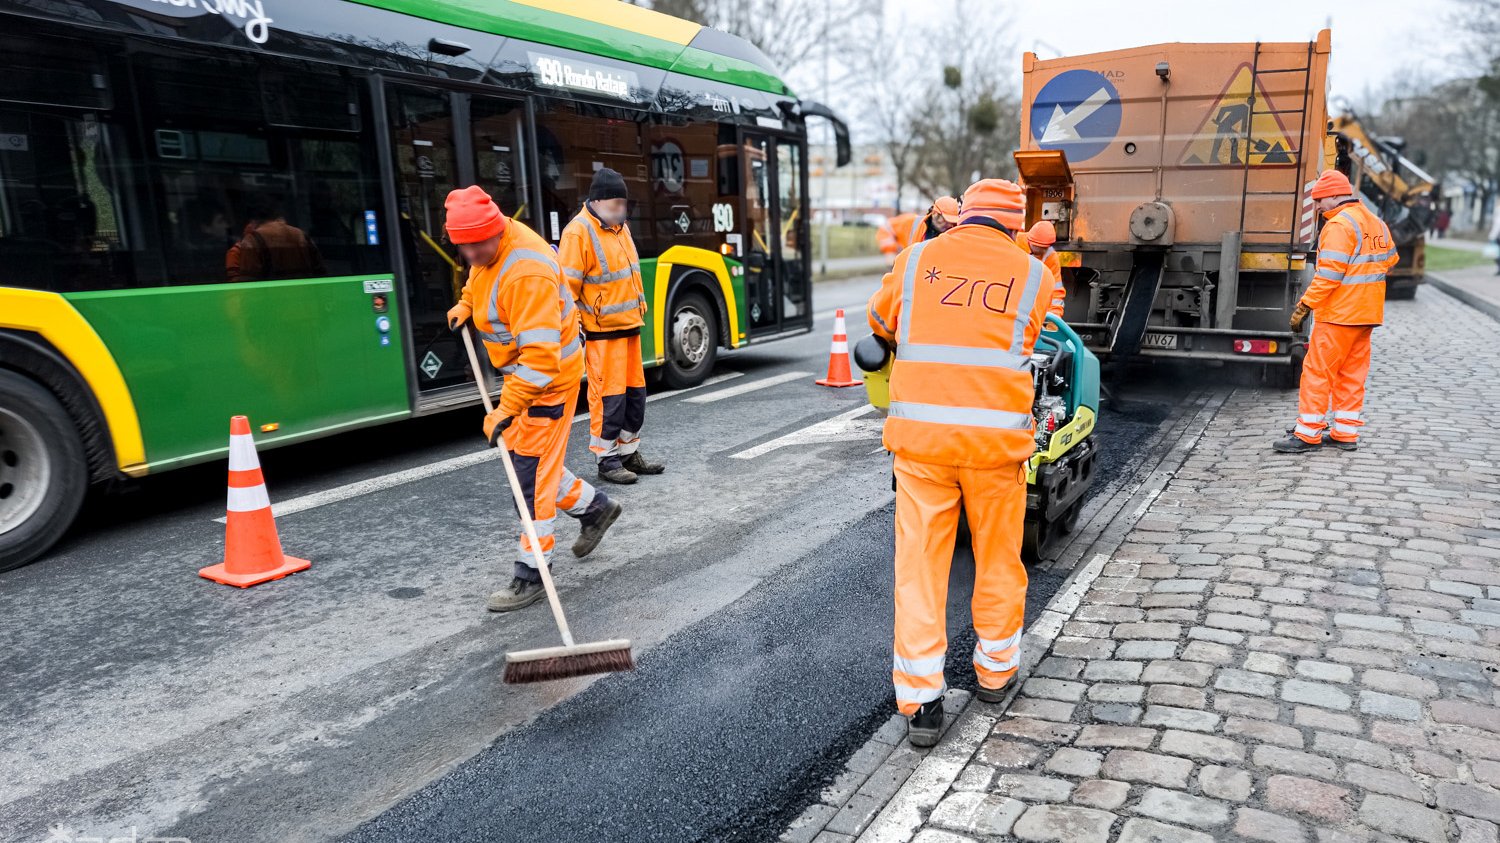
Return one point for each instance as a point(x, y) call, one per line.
point(603, 270)
point(1347, 300)
point(525, 316)
point(963, 311)
point(1040, 239)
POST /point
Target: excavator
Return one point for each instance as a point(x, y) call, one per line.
point(1398, 191)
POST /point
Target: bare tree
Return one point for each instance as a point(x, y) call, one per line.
point(969, 118)
point(894, 101)
point(1472, 102)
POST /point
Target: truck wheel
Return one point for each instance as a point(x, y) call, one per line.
point(43, 470)
point(1286, 377)
point(1407, 293)
point(692, 341)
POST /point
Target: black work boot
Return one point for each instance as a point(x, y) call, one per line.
point(926, 726)
point(613, 470)
point(518, 595)
point(994, 695)
point(1294, 444)
point(595, 523)
point(640, 465)
point(1330, 442)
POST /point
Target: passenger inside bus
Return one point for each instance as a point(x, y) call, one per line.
point(270, 247)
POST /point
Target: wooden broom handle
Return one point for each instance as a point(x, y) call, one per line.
point(515, 489)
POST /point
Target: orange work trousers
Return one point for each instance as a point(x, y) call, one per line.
point(617, 395)
point(928, 497)
point(1333, 378)
point(537, 441)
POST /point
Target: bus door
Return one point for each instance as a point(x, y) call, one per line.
point(440, 141)
point(777, 282)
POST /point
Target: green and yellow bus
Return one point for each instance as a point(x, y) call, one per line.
point(147, 145)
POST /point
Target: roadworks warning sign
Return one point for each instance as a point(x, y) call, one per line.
point(1221, 139)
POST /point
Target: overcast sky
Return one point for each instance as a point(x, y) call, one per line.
point(1371, 38)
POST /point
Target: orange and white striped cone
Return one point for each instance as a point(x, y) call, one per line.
point(252, 550)
point(839, 373)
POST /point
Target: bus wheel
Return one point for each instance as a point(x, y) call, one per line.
point(692, 341)
point(43, 470)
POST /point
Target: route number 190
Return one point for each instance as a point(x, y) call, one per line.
point(723, 217)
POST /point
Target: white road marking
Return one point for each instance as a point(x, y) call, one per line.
point(844, 427)
point(422, 472)
point(744, 388)
point(376, 484)
point(727, 376)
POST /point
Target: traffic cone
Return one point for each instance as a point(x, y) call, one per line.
point(839, 373)
point(252, 550)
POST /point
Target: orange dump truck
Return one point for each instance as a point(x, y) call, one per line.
point(1177, 177)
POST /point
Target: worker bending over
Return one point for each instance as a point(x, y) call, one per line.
point(1347, 300)
point(1040, 240)
point(525, 315)
point(963, 311)
point(603, 270)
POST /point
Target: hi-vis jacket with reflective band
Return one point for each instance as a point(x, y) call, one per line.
point(1354, 252)
point(964, 310)
point(602, 268)
point(526, 317)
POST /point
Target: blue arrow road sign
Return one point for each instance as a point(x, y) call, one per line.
point(1077, 112)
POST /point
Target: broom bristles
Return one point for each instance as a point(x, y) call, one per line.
point(560, 663)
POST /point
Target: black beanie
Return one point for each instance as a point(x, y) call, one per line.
point(607, 184)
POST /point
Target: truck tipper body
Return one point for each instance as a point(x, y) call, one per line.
point(1177, 176)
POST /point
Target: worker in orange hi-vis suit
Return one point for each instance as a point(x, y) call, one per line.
point(887, 238)
point(525, 315)
point(963, 311)
point(1040, 239)
point(942, 216)
point(603, 270)
point(1347, 300)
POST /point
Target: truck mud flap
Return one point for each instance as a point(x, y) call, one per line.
point(1135, 310)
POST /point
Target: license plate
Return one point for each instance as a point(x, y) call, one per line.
point(1168, 341)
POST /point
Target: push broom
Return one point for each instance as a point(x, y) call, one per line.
point(570, 659)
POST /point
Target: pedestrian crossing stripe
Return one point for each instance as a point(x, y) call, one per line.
point(1220, 138)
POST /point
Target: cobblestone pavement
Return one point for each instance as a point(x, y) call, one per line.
point(1284, 647)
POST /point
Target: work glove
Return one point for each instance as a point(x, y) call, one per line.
point(1299, 316)
point(495, 424)
point(458, 315)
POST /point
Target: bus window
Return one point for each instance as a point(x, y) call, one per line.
point(500, 153)
point(760, 264)
point(260, 167)
point(573, 141)
point(65, 199)
point(684, 188)
point(793, 230)
point(424, 146)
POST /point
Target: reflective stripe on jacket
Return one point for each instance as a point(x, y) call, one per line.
point(525, 315)
point(964, 311)
point(1354, 252)
point(603, 270)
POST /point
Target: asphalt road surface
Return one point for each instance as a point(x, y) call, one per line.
point(363, 697)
